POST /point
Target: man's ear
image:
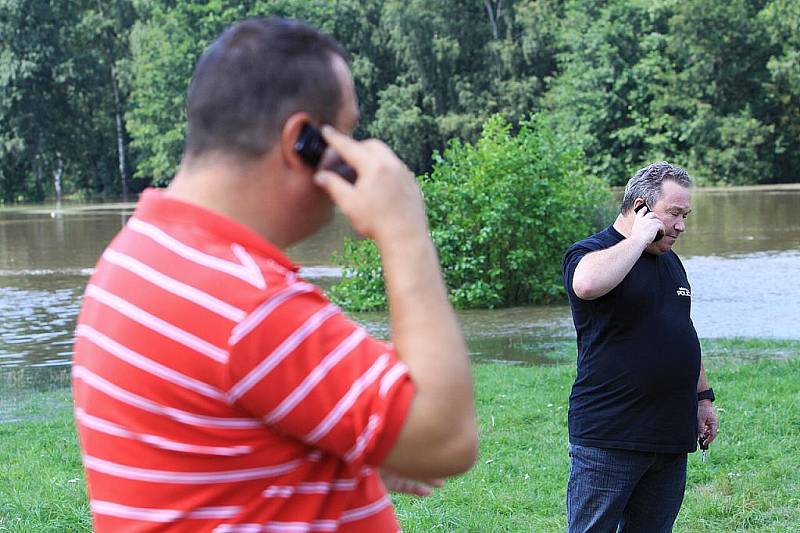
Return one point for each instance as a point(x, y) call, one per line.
point(289, 135)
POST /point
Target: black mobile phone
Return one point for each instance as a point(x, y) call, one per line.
point(311, 147)
point(660, 234)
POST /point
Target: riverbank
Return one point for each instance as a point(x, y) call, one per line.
point(750, 481)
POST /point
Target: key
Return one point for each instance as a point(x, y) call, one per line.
point(703, 449)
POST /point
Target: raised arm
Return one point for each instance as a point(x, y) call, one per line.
point(439, 437)
point(599, 272)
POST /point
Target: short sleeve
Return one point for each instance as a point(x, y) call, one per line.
point(572, 257)
point(305, 369)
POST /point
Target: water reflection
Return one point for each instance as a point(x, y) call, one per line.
point(40, 239)
point(750, 295)
point(743, 220)
point(38, 319)
point(741, 250)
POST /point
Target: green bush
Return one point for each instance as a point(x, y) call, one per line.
point(501, 214)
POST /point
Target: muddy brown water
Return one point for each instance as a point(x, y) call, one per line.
point(741, 251)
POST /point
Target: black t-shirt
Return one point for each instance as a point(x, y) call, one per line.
point(638, 356)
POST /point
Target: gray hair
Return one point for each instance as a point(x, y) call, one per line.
point(647, 183)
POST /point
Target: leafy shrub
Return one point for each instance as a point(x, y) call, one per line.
point(501, 213)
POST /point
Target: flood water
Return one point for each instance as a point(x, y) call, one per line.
point(741, 251)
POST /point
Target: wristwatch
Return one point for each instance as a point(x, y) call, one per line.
point(707, 394)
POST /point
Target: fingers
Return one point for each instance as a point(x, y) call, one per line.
point(713, 429)
point(708, 427)
point(438, 483)
point(404, 485)
point(642, 210)
point(336, 186)
point(646, 213)
point(417, 489)
point(348, 148)
point(385, 201)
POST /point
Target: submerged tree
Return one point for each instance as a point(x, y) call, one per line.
point(501, 214)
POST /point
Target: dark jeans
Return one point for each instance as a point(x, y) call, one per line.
point(633, 491)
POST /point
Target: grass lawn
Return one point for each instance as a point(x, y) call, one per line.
point(750, 481)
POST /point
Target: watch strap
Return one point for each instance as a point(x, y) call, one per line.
point(707, 394)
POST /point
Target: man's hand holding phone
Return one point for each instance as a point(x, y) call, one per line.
point(313, 148)
point(439, 435)
point(385, 202)
point(646, 224)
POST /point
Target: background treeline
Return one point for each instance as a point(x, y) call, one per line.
point(92, 92)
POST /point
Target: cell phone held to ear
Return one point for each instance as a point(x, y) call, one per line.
point(660, 234)
point(311, 147)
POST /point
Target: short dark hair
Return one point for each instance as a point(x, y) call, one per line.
point(255, 76)
point(648, 182)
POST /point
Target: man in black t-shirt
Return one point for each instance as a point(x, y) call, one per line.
point(640, 401)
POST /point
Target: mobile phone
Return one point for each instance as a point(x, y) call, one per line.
point(311, 147)
point(660, 233)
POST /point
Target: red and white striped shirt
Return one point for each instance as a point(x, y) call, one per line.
point(215, 390)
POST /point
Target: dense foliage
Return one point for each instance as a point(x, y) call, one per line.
point(92, 94)
point(685, 81)
point(61, 103)
point(501, 214)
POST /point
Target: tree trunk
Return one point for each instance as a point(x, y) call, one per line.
point(494, 16)
point(493, 10)
point(38, 174)
point(123, 170)
point(57, 173)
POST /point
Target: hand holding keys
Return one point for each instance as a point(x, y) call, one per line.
point(703, 447)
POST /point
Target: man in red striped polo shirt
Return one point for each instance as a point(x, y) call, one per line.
point(216, 390)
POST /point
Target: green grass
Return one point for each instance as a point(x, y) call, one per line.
point(750, 482)
point(41, 478)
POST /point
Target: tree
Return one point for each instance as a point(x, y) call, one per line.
point(103, 30)
point(93, 93)
point(720, 51)
point(60, 97)
point(456, 71)
point(37, 75)
point(614, 73)
point(166, 42)
point(501, 214)
point(781, 19)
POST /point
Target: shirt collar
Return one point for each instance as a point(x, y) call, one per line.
point(155, 205)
